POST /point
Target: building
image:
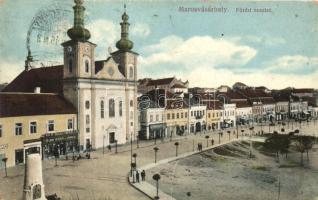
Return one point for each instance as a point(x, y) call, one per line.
point(244, 113)
point(171, 84)
point(103, 92)
point(177, 119)
point(36, 122)
point(214, 114)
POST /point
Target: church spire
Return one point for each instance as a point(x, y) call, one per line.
point(28, 61)
point(124, 43)
point(78, 32)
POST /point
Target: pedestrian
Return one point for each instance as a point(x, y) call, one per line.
point(109, 147)
point(143, 175)
point(212, 142)
point(198, 146)
point(137, 176)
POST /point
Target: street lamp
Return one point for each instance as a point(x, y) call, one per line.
point(176, 144)
point(156, 177)
point(229, 132)
point(156, 150)
point(4, 160)
point(207, 140)
point(116, 143)
point(135, 158)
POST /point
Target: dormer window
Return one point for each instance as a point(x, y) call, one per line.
point(86, 66)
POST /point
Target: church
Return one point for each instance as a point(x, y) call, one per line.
point(103, 92)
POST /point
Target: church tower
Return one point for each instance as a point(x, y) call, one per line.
point(127, 60)
point(79, 66)
point(79, 52)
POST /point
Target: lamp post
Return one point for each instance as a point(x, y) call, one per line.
point(104, 144)
point(116, 144)
point(156, 177)
point(4, 160)
point(156, 150)
point(133, 166)
point(189, 107)
point(176, 144)
point(229, 132)
point(207, 140)
point(135, 158)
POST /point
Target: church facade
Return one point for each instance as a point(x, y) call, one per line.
point(104, 92)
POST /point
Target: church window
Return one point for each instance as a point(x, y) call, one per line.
point(111, 108)
point(86, 66)
point(131, 103)
point(131, 72)
point(87, 104)
point(102, 109)
point(87, 124)
point(70, 65)
point(120, 108)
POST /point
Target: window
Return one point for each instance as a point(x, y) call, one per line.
point(131, 103)
point(0, 130)
point(185, 114)
point(102, 109)
point(209, 115)
point(86, 66)
point(50, 126)
point(111, 108)
point(131, 72)
point(120, 108)
point(70, 65)
point(32, 127)
point(191, 113)
point(172, 115)
point(168, 116)
point(177, 115)
point(182, 115)
point(87, 121)
point(87, 104)
point(70, 124)
point(151, 118)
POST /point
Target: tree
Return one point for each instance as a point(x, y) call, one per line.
point(304, 144)
point(278, 143)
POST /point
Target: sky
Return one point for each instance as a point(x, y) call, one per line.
point(277, 48)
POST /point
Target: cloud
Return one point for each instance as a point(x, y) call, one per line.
point(264, 40)
point(293, 64)
point(210, 62)
point(105, 33)
point(197, 51)
point(9, 70)
point(140, 30)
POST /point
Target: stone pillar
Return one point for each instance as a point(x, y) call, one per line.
point(33, 181)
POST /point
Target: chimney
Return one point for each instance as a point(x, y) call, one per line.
point(37, 90)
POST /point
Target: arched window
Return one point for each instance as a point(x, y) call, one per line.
point(131, 72)
point(87, 104)
point(102, 109)
point(131, 103)
point(120, 108)
point(111, 108)
point(87, 66)
point(70, 65)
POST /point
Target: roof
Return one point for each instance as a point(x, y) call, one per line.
point(178, 86)
point(176, 104)
point(163, 81)
point(242, 104)
point(50, 79)
point(303, 90)
point(217, 105)
point(28, 104)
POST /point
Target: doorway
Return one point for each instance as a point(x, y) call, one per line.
point(19, 156)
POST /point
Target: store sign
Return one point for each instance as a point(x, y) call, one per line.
point(3, 146)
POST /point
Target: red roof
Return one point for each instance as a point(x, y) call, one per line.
point(49, 79)
point(242, 104)
point(28, 104)
point(163, 81)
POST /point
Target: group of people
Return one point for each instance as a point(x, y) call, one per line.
point(137, 175)
point(200, 147)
